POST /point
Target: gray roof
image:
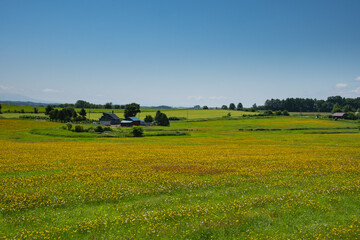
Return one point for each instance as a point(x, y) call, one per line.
point(339, 114)
point(111, 115)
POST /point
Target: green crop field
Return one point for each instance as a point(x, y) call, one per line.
point(95, 114)
point(237, 178)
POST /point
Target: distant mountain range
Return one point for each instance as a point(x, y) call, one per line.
point(21, 103)
point(17, 99)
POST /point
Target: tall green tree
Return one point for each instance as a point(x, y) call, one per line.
point(336, 108)
point(224, 107)
point(131, 110)
point(157, 115)
point(0, 108)
point(239, 107)
point(82, 104)
point(108, 105)
point(347, 108)
point(162, 119)
point(232, 106)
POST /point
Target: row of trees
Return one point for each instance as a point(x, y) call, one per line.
point(331, 104)
point(85, 104)
point(67, 114)
point(232, 106)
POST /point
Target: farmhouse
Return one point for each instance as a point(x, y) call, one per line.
point(132, 121)
point(108, 119)
point(339, 115)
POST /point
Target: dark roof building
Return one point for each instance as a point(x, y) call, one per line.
point(109, 119)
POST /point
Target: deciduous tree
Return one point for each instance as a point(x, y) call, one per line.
point(131, 110)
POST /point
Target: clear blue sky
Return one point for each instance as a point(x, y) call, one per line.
point(179, 52)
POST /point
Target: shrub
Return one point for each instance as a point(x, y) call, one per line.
point(79, 128)
point(268, 113)
point(107, 129)
point(174, 119)
point(34, 117)
point(278, 113)
point(79, 118)
point(137, 131)
point(351, 116)
point(69, 126)
point(99, 129)
point(148, 118)
point(285, 113)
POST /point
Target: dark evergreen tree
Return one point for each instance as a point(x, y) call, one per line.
point(239, 107)
point(48, 109)
point(83, 113)
point(157, 115)
point(161, 119)
point(148, 119)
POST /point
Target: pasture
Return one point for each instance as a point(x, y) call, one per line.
point(261, 178)
point(95, 114)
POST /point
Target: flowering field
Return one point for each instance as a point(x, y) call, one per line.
point(217, 183)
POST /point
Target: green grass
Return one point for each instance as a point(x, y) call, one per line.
point(300, 182)
point(95, 114)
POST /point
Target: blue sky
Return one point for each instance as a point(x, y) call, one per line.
point(179, 53)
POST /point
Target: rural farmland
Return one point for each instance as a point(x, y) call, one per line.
point(238, 178)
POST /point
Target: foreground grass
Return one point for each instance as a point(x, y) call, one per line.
point(217, 183)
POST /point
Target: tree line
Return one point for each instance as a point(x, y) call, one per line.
point(331, 104)
point(67, 114)
point(85, 104)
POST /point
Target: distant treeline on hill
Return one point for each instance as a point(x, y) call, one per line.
point(109, 105)
point(331, 104)
point(22, 103)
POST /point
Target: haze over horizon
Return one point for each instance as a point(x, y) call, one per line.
point(179, 53)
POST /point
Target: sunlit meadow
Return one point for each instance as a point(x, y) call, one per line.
point(227, 179)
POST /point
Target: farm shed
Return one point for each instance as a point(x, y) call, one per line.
point(132, 121)
point(108, 119)
point(339, 115)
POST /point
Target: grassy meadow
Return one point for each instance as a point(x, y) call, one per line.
point(245, 178)
point(95, 114)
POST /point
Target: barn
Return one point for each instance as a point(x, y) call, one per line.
point(108, 119)
point(131, 121)
point(339, 115)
